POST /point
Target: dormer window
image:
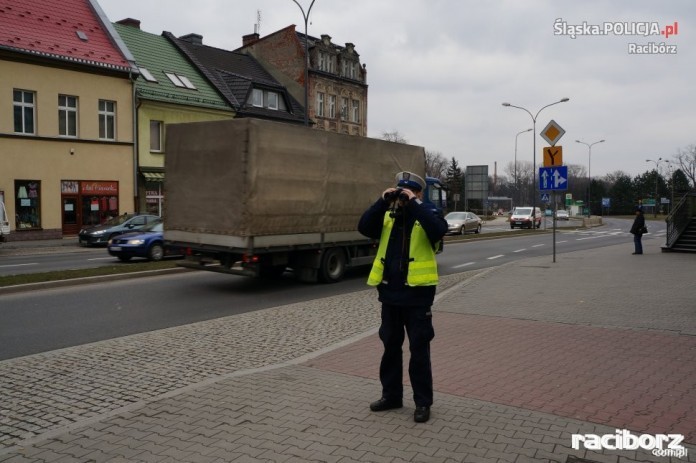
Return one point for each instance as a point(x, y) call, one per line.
point(267, 99)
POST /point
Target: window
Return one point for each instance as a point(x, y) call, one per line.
point(27, 204)
point(147, 75)
point(180, 81)
point(24, 111)
point(356, 111)
point(107, 120)
point(67, 115)
point(344, 109)
point(332, 106)
point(156, 136)
point(257, 98)
point(320, 104)
point(272, 100)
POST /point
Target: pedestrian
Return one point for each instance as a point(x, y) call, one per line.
point(638, 229)
point(405, 274)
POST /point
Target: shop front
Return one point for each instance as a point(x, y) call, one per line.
point(87, 203)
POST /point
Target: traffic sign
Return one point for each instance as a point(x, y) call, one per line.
point(545, 198)
point(552, 132)
point(553, 156)
point(553, 178)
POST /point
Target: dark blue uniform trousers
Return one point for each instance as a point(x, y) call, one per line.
point(418, 324)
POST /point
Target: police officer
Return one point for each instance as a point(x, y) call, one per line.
point(405, 274)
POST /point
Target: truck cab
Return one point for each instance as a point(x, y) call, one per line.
point(435, 195)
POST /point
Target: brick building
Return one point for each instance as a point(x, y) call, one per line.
point(337, 80)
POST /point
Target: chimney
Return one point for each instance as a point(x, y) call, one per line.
point(195, 39)
point(130, 22)
point(249, 39)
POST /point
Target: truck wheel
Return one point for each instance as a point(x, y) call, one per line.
point(333, 265)
point(156, 252)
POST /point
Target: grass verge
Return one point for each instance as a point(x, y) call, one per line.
point(116, 269)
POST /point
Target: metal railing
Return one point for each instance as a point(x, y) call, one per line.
point(679, 218)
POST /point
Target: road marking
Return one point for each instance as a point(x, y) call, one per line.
point(537, 245)
point(564, 241)
point(520, 250)
point(590, 238)
point(496, 257)
point(464, 265)
point(101, 258)
point(19, 265)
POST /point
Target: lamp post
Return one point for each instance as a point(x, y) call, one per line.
point(671, 176)
point(306, 61)
point(534, 118)
point(657, 178)
point(589, 177)
point(517, 187)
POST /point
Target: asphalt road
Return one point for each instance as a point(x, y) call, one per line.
point(44, 320)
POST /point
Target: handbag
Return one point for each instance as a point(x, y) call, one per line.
point(644, 230)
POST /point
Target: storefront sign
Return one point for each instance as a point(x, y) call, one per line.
point(99, 188)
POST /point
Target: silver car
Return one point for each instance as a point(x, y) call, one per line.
point(462, 222)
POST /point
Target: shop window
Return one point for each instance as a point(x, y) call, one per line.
point(28, 204)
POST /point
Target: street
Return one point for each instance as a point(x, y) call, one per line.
point(45, 320)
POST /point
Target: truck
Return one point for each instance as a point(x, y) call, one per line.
point(258, 198)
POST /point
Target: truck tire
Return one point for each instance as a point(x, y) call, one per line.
point(333, 265)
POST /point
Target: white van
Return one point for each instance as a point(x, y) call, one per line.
point(522, 217)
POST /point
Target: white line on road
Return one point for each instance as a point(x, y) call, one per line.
point(496, 257)
point(537, 245)
point(590, 238)
point(101, 258)
point(520, 250)
point(564, 241)
point(464, 265)
point(19, 265)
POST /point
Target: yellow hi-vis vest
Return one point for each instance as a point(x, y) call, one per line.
point(422, 268)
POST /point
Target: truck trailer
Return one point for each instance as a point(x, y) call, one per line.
point(258, 198)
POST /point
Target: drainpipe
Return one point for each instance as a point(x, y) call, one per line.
point(135, 144)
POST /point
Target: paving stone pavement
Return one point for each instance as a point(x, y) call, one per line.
point(525, 355)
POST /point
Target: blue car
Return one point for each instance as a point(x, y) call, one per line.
point(148, 243)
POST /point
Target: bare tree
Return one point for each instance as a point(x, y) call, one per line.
point(394, 136)
point(435, 164)
point(686, 161)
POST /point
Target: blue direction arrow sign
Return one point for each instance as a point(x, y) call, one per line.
point(553, 178)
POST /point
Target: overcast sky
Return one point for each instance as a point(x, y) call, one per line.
point(439, 70)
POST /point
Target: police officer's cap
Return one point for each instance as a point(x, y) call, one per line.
point(410, 180)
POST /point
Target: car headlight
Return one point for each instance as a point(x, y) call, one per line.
point(98, 232)
point(136, 242)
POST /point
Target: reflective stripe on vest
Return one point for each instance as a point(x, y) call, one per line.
point(422, 268)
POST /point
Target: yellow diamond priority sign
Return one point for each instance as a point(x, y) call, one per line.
point(552, 132)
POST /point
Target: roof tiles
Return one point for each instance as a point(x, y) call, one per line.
point(68, 30)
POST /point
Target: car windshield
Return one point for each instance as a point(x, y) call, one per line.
point(523, 211)
point(156, 226)
point(456, 216)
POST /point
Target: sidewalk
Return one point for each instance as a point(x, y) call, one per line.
point(525, 355)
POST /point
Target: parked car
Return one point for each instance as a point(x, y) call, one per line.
point(462, 222)
point(101, 234)
point(522, 217)
point(147, 243)
point(562, 214)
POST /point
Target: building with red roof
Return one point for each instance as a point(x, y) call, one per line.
point(66, 118)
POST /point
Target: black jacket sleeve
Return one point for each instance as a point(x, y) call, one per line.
point(372, 219)
point(435, 226)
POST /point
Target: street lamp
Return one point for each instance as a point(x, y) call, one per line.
point(517, 188)
point(657, 178)
point(589, 178)
point(306, 63)
point(671, 175)
point(534, 118)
